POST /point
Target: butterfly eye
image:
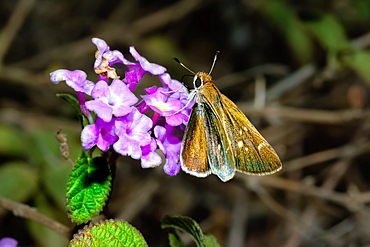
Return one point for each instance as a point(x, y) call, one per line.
point(198, 82)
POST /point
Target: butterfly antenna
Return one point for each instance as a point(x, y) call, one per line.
point(214, 62)
point(183, 65)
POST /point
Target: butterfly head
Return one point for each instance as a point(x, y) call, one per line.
point(200, 79)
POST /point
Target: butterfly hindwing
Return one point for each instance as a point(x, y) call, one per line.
point(220, 154)
point(194, 158)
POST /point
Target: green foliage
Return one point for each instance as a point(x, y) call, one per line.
point(160, 49)
point(114, 233)
point(361, 10)
point(329, 32)
point(45, 236)
point(72, 100)
point(331, 35)
point(283, 16)
point(88, 188)
point(18, 181)
point(175, 240)
point(55, 179)
point(36, 172)
point(12, 140)
point(211, 240)
point(191, 227)
point(42, 148)
point(359, 61)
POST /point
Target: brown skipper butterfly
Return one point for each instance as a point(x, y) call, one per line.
point(220, 139)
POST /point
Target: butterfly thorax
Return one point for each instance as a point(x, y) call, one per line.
point(202, 81)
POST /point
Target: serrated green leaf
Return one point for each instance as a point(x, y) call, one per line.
point(114, 233)
point(189, 226)
point(18, 181)
point(75, 105)
point(88, 188)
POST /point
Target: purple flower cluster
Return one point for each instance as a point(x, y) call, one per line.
point(122, 120)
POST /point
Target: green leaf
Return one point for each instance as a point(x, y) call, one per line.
point(17, 181)
point(211, 240)
point(191, 227)
point(42, 147)
point(88, 188)
point(361, 10)
point(12, 140)
point(54, 179)
point(72, 101)
point(175, 241)
point(359, 61)
point(75, 105)
point(329, 32)
point(283, 17)
point(115, 233)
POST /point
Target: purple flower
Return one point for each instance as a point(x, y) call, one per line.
point(104, 52)
point(100, 133)
point(134, 76)
point(149, 157)
point(8, 242)
point(172, 85)
point(119, 121)
point(177, 92)
point(170, 145)
point(133, 133)
point(152, 68)
point(75, 79)
point(156, 99)
point(105, 58)
point(115, 99)
point(158, 102)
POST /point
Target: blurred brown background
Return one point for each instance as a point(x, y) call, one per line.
point(298, 69)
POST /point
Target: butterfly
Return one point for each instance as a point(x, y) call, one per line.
point(219, 139)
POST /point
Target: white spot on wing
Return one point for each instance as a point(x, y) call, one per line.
point(240, 144)
point(261, 145)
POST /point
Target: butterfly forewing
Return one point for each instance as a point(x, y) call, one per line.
point(254, 155)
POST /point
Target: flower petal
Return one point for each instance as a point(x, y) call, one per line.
point(152, 68)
